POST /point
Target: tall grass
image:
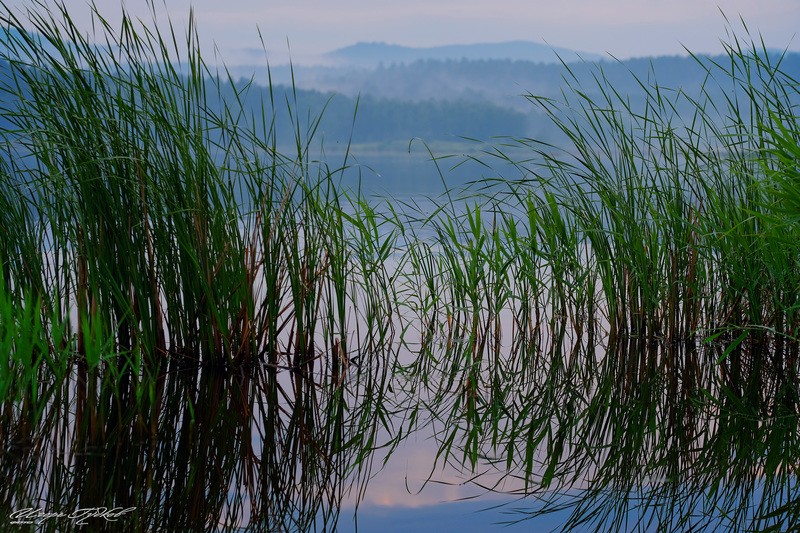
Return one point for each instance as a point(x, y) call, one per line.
point(150, 225)
point(622, 320)
point(648, 272)
point(144, 208)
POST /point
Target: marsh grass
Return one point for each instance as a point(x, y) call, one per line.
point(620, 321)
point(649, 274)
point(141, 213)
point(178, 295)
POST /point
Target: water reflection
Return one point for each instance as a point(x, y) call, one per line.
point(629, 434)
point(613, 434)
point(195, 449)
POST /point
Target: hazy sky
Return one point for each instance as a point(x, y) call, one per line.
point(623, 28)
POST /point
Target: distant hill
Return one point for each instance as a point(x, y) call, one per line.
point(441, 92)
point(373, 54)
point(8, 36)
point(502, 82)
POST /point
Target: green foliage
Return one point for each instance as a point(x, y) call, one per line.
point(648, 273)
point(154, 204)
point(623, 317)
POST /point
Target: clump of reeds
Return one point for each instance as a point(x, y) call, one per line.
point(149, 223)
point(149, 212)
point(647, 272)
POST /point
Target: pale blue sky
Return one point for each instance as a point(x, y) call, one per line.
point(624, 28)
